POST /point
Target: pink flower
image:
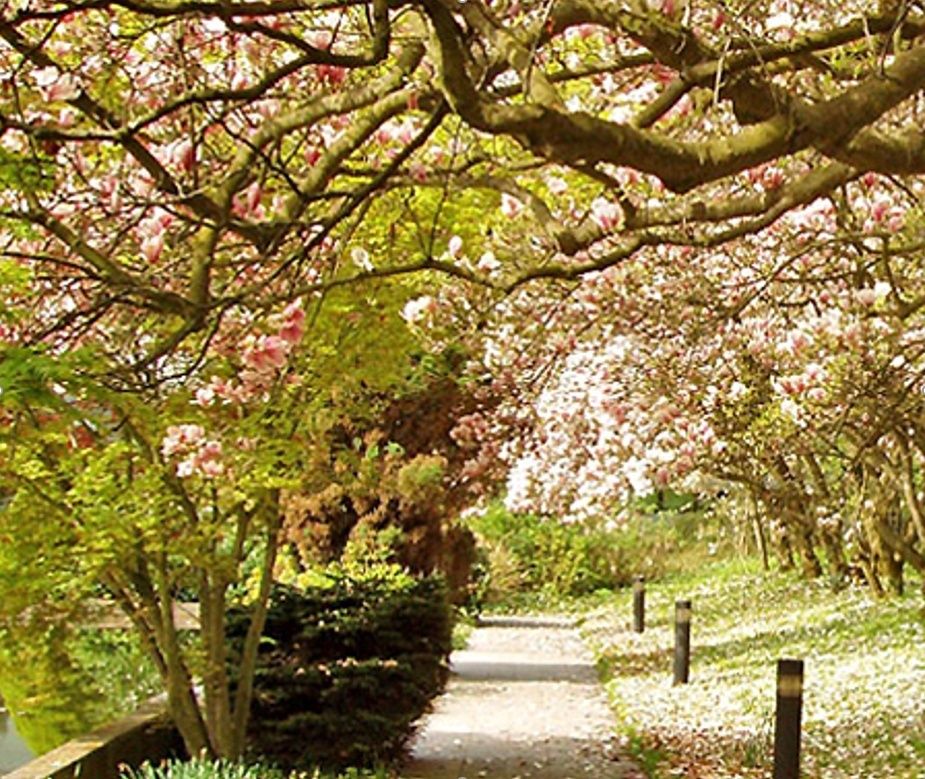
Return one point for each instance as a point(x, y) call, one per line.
point(151, 247)
point(415, 310)
point(605, 214)
point(880, 209)
point(455, 246)
point(294, 312)
point(208, 460)
point(293, 327)
point(773, 178)
point(331, 74)
point(269, 353)
point(557, 186)
point(253, 195)
point(55, 85)
point(180, 438)
point(292, 332)
point(510, 205)
point(488, 263)
point(205, 396)
point(183, 154)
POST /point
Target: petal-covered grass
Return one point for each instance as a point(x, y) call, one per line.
point(864, 699)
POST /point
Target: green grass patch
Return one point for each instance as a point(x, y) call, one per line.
point(865, 675)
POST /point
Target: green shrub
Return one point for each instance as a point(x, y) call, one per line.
point(523, 553)
point(524, 557)
point(223, 769)
point(204, 769)
point(346, 667)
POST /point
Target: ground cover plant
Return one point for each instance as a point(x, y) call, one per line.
point(224, 769)
point(865, 673)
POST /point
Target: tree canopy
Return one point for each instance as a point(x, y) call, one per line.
point(653, 239)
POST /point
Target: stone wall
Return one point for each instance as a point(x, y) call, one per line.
point(147, 734)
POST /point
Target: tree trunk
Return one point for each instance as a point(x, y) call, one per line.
point(244, 692)
point(215, 671)
point(761, 540)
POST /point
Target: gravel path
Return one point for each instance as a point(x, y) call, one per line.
point(524, 702)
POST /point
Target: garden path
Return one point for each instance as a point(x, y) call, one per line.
point(524, 702)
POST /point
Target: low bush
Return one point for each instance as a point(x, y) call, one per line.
point(526, 560)
point(204, 769)
point(224, 769)
point(346, 667)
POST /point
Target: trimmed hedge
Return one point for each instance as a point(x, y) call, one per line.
point(346, 668)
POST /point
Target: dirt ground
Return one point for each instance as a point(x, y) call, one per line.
point(524, 702)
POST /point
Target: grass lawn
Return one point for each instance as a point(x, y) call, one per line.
point(864, 699)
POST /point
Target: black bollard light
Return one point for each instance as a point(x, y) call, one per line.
point(682, 641)
point(639, 604)
point(788, 719)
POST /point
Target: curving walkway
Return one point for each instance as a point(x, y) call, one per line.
point(524, 702)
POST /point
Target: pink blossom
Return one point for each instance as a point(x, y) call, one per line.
point(488, 263)
point(331, 74)
point(179, 438)
point(879, 209)
point(415, 310)
point(605, 214)
point(152, 247)
point(208, 460)
point(269, 353)
point(780, 21)
point(455, 246)
point(557, 186)
point(293, 327)
point(55, 85)
point(183, 154)
point(253, 195)
point(510, 205)
point(294, 312)
point(205, 396)
point(816, 394)
point(773, 178)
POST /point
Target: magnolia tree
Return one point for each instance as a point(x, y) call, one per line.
point(801, 384)
point(212, 213)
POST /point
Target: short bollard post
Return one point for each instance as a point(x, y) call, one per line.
point(639, 604)
point(682, 641)
point(787, 719)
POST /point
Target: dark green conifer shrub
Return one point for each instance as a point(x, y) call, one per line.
point(346, 667)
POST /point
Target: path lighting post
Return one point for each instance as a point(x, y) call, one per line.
point(787, 720)
point(639, 604)
point(682, 641)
